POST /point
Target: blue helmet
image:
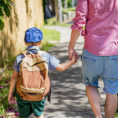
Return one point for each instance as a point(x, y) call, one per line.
point(33, 35)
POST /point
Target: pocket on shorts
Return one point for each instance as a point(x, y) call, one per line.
point(88, 57)
point(113, 58)
point(90, 60)
point(112, 66)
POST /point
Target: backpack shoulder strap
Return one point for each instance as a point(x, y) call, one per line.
point(24, 52)
point(41, 63)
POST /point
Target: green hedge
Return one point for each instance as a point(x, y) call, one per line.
point(69, 3)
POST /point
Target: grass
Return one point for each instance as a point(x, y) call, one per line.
point(52, 21)
point(72, 9)
point(65, 11)
point(49, 36)
point(116, 116)
point(46, 46)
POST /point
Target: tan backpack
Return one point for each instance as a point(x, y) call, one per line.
point(33, 82)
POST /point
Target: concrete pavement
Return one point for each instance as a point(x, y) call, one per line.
point(68, 97)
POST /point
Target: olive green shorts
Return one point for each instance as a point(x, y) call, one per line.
point(26, 108)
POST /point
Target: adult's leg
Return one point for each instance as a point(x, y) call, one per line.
point(110, 105)
point(94, 99)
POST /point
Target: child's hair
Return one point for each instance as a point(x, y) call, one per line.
point(33, 35)
point(35, 44)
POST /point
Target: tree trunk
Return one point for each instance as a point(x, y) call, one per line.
point(73, 3)
point(58, 5)
point(65, 4)
point(53, 7)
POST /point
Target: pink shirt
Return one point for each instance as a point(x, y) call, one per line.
point(101, 20)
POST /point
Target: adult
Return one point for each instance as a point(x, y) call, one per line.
point(100, 54)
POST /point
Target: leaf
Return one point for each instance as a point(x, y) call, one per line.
point(7, 11)
point(11, 2)
point(1, 12)
point(2, 4)
point(5, 7)
point(1, 23)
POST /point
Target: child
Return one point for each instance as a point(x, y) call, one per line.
point(33, 38)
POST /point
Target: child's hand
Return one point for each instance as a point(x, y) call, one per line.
point(11, 99)
point(74, 58)
point(71, 53)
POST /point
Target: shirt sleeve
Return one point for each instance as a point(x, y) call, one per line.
point(81, 15)
point(16, 65)
point(53, 62)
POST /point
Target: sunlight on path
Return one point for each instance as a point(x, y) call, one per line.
point(65, 33)
point(69, 98)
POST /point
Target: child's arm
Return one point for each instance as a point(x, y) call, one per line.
point(66, 65)
point(12, 87)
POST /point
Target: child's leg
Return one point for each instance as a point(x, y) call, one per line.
point(24, 107)
point(38, 108)
point(40, 116)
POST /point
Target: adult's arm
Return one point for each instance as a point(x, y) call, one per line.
point(78, 22)
point(74, 36)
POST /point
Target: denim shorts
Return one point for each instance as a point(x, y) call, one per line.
point(106, 67)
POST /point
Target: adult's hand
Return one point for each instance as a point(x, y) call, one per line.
point(72, 52)
point(74, 36)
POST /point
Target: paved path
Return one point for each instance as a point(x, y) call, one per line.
point(68, 97)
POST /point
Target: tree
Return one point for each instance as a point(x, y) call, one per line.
point(58, 6)
point(5, 8)
point(73, 3)
point(65, 4)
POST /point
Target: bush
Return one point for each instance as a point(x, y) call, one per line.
point(4, 85)
point(51, 21)
point(69, 3)
point(5, 10)
point(46, 46)
point(48, 37)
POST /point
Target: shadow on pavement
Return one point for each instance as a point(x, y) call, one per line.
point(68, 97)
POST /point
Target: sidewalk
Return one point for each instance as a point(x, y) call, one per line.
point(68, 97)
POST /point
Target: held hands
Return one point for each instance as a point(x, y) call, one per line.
point(73, 56)
point(72, 52)
point(74, 59)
